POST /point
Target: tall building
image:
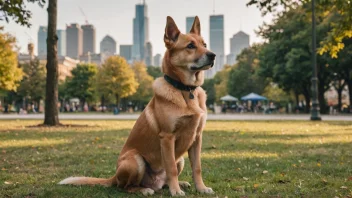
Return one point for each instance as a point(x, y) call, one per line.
point(238, 42)
point(126, 52)
point(42, 34)
point(216, 43)
point(74, 41)
point(140, 31)
point(148, 54)
point(88, 38)
point(61, 42)
point(189, 23)
point(108, 45)
point(157, 60)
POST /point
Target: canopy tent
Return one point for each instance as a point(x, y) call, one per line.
point(253, 97)
point(228, 98)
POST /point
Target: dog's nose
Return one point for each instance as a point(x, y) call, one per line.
point(211, 55)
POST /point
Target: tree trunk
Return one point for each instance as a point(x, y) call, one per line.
point(306, 94)
point(349, 85)
point(102, 103)
point(52, 75)
point(321, 98)
point(117, 100)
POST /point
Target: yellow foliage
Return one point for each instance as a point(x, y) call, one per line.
point(10, 73)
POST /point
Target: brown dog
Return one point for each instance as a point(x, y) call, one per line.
point(170, 125)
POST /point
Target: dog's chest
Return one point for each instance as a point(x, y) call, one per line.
point(187, 129)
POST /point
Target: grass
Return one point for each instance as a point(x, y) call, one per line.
point(239, 159)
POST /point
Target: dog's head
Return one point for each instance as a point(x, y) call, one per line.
point(187, 55)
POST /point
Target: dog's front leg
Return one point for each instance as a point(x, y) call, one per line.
point(194, 157)
point(167, 141)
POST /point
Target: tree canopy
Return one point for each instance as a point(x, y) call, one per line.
point(81, 84)
point(340, 9)
point(145, 91)
point(33, 83)
point(18, 11)
point(10, 73)
point(116, 79)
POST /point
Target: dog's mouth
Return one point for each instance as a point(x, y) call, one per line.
point(204, 67)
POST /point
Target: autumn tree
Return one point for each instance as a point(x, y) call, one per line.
point(10, 74)
point(81, 84)
point(209, 87)
point(145, 91)
point(115, 78)
point(32, 86)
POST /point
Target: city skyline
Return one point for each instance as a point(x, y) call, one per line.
point(112, 16)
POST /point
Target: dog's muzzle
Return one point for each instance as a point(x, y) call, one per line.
point(208, 62)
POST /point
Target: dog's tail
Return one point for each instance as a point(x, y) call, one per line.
point(89, 181)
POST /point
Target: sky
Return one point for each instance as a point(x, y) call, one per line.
point(114, 17)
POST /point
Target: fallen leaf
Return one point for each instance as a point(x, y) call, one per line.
point(255, 185)
point(343, 187)
point(265, 172)
point(3, 169)
point(319, 164)
point(8, 183)
point(245, 178)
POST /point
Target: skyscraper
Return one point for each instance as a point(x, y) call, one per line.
point(238, 42)
point(74, 41)
point(108, 45)
point(148, 54)
point(61, 43)
point(126, 52)
point(216, 43)
point(42, 34)
point(157, 60)
point(88, 38)
point(189, 23)
point(140, 31)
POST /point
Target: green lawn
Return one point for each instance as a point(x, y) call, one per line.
point(239, 158)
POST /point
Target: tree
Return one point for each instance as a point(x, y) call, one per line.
point(209, 88)
point(17, 11)
point(145, 91)
point(10, 74)
point(52, 78)
point(154, 71)
point(243, 77)
point(32, 86)
point(115, 78)
point(81, 84)
point(341, 28)
point(286, 57)
point(221, 79)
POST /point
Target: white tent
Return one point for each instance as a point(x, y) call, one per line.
point(228, 98)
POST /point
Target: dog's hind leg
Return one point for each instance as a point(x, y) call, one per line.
point(180, 165)
point(130, 172)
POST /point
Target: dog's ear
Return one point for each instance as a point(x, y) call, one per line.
point(171, 32)
point(196, 26)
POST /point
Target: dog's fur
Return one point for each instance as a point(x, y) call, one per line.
point(170, 125)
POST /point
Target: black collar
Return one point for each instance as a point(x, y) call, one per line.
point(179, 85)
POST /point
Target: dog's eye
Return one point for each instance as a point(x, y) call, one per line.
point(205, 45)
point(191, 46)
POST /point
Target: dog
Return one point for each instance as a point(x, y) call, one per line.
point(170, 125)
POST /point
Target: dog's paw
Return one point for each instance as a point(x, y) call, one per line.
point(205, 190)
point(184, 184)
point(178, 192)
point(147, 191)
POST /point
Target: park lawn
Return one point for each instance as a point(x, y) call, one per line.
point(239, 158)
